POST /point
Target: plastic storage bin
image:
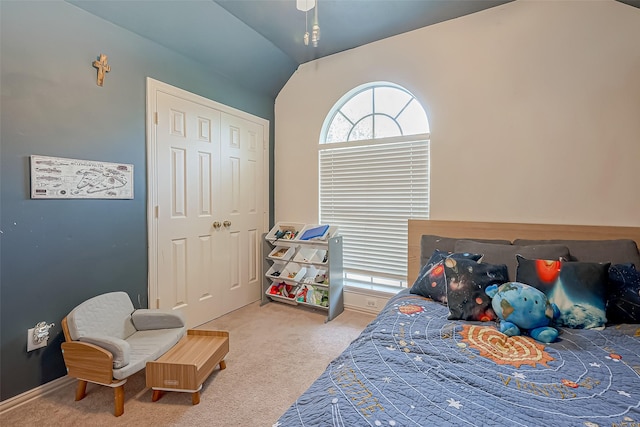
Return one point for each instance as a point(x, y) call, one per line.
point(289, 272)
point(284, 231)
point(311, 256)
point(276, 270)
point(283, 292)
point(282, 253)
point(312, 296)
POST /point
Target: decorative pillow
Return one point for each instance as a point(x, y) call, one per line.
point(466, 284)
point(506, 254)
point(431, 282)
point(623, 300)
point(146, 319)
point(579, 289)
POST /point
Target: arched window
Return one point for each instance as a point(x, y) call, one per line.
point(374, 175)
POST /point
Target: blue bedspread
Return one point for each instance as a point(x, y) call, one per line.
point(413, 367)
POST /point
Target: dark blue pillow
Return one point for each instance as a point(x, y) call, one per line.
point(431, 282)
point(623, 299)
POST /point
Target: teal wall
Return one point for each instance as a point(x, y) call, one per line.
point(57, 253)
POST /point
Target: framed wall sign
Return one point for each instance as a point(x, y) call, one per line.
point(60, 178)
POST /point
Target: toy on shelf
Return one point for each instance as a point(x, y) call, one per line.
point(311, 295)
point(280, 252)
point(283, 289)
point(321, 278)
point(303, 292)
point(286, 235)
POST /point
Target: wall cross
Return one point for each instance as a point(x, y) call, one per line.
point(103, 67)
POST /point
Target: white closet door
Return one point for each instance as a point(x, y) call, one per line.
point(209, 172)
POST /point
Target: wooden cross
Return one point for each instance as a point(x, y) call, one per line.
point(102, 67)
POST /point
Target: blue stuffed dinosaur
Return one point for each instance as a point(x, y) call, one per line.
point(523, 307)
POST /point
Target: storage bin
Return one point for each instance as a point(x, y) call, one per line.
point(283, 292)
point(284, 231)
point(288, 272)
point(282, 253)
point(321, 278)
point(276, 270)
point(305, 255)
point(311, 256)
point(309, 275)
point(293, 271)
point(312, 296)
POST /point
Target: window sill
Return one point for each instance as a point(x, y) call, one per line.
point(369, 289)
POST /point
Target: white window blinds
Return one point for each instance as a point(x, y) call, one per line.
point(370, 189)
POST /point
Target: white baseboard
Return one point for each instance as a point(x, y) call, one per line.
point(358, 309)
point(34, 393)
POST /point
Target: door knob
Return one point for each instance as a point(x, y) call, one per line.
point(217, 225)
point(227, 223)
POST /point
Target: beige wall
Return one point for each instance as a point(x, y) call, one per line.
point(534, 109)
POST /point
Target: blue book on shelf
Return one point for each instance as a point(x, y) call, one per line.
point(314, 233)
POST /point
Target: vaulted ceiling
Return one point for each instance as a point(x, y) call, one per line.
point(259, 43)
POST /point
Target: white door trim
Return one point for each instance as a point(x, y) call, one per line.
point(153, 87)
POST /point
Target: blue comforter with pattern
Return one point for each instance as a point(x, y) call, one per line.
point(413, 367)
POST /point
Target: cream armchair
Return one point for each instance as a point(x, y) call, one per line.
point(107, 340)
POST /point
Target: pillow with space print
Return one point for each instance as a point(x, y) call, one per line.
point(623, 294)
point(579, 289)
point(431, 281)
point(466, 282)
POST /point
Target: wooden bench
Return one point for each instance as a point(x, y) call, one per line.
point(188, 364)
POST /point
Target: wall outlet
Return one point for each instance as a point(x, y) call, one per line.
point(31, 344)
point(372, 303)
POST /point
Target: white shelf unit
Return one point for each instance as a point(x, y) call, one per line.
point(297, 262)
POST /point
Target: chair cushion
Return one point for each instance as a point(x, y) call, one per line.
point(146, 319)
point(104, 315)
point(147, 346)
point(119, 349)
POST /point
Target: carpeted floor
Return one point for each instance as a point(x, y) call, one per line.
point(276, 352)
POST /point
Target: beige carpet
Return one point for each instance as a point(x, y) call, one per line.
point(276, 352)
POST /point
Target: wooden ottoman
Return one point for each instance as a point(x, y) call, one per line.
point(185, 367)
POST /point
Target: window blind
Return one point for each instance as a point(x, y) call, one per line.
point(370, 191)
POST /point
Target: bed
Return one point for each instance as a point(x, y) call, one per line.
point(412, 365)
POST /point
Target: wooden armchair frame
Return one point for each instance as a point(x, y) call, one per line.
point(90, 363)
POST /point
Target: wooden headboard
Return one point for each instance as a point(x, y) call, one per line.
point(507, 231)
